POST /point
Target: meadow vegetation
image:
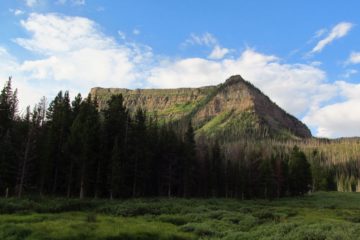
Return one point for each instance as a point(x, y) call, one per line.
point(322, 215)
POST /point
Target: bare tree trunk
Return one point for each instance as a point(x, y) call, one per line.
point(96, 193)
point(135, 177)
point(55, 180)
point(70, 180)
point(81, 196)
point(82, 179)
point(169, 181)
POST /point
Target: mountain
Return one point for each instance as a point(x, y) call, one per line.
point(230, 110)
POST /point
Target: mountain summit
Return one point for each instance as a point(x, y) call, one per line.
point(230, 110)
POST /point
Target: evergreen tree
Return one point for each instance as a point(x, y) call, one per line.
point(140, 159)
point(84, 144)
point(189, 163)
point(30, 129)
point(299, 172)
point(267, 178)
point(8, 137)
point(8, 108)
point(216, 171)
point(116, 138)
point(59, 122)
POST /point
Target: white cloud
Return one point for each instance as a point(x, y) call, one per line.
point(122, 35)
point(31, 3)
point(340, 119)
point(339, 31)
point(16, 12)
point(74, 55)
point(349, 72)
point(53, 34)
point(336, 120)
point(78, 2)
point(218, 52)
point(320, 33)
point(354, 58)
point(136, 31)
point(208, 40)
point(73, 2)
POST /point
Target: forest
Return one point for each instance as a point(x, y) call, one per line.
point(71, 171)
point(71, 149)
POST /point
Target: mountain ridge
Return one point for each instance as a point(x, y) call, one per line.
point(233, 109)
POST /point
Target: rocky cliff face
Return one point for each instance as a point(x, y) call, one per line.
point(231, 110)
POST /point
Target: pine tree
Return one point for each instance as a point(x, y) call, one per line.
point(267, 178)
point(84, 145)
point(140, 153)
point(59, 122)
point(189, 164)
point(116, 141)
point(8, 151)
point(216, 171)
point(8, 108)
point(299, 172)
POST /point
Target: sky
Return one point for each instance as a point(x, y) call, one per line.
point(305, 55)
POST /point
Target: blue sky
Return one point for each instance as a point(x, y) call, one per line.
point(305, 55)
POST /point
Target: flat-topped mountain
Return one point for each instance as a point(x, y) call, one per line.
point(231, 110)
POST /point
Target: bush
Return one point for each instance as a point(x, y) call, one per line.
point(177, 220)
point(14, 232)
point(200, 229)
point(91, 218)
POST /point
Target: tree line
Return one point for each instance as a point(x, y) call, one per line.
point(71, 149)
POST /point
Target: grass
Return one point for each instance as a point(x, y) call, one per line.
point(319, 216)
point(178, 109)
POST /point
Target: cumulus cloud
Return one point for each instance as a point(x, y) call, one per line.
point(54, 34)
point(339, 31)
point(78, 51)
point(354, 58)
point(74, 54)
point(336, 120)
point(340, 119)
point(294, 87)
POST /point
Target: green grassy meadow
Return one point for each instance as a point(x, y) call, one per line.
point(318, 216)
